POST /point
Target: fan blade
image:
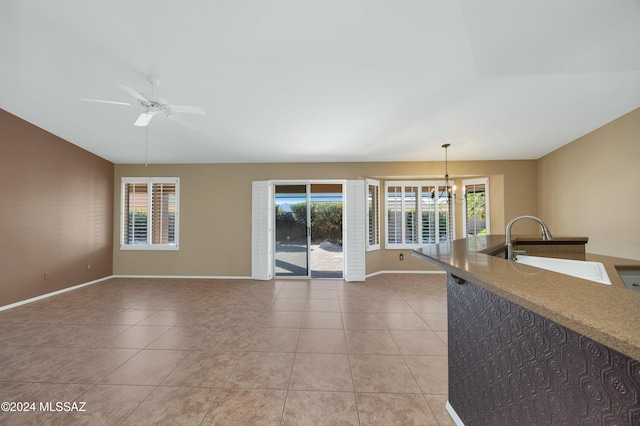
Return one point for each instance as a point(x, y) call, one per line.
point(186, 109)
point(132, 92)
point(183, 122)
point(144, 119)
point(105, 102)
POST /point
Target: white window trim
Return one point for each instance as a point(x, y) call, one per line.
point(403, 184)
point(479, 181)
point(123, 212)
point(369, 246)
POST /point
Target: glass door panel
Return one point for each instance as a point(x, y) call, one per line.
point(326, 256)
point(291, 239)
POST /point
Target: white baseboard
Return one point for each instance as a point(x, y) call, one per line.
point(195, 277)
point(53, 293)
point(456, 419)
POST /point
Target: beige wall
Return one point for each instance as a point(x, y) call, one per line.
point(590, 188)
point(215, 209)
point(56, 212)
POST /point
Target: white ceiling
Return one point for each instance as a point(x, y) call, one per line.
point(330, 80)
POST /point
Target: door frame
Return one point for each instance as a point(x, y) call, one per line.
point(353, 230)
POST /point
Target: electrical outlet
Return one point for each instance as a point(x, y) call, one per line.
point(88, 266)
point(401, 257)
point(47, 275)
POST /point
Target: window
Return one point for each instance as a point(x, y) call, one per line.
point(417, 214)
point(373, 214)
point(476, 206)
point(149, 214)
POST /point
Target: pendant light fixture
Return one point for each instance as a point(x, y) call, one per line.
point(450, 193)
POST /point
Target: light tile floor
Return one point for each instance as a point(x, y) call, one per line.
point(227, 352)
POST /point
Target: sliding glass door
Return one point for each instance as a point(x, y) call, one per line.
point(308, 230)
point(326, 256)
point(291, 239)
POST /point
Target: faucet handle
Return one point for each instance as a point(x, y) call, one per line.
point(515, 254)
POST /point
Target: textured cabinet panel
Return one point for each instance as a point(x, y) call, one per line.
point(509, 366)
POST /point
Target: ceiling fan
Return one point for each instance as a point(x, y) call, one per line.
point(152, 105)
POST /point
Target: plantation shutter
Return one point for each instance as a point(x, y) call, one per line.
point(150, 213)
point(411, 211)
point(476, 206)
point(428, 209)
point(373, 214)
point(355, 235)
point(394, 215)
point(261, 231)
point(417, 213)
point(136, 213)
point(163, 202)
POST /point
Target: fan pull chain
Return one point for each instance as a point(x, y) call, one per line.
point(146, 131)
point(146, 142)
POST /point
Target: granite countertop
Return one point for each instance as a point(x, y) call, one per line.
point(608, 314)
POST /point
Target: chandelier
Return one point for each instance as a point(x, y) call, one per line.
point(450, 189)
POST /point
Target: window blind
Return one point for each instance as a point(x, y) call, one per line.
point(373, 214)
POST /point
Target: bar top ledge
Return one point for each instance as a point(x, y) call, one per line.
point(608, 314)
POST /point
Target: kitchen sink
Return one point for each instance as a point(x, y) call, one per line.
point(630, 277)
point(593, 271)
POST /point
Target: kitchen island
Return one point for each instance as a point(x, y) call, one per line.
point(530, 346)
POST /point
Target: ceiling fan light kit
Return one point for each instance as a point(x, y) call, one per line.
point(144, 119)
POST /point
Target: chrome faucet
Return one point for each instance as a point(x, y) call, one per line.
point(546, 235)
